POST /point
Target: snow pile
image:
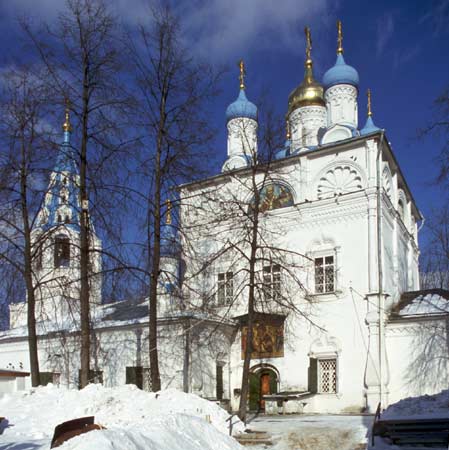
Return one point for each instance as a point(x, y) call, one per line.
point(135, 420)
point(425, 406)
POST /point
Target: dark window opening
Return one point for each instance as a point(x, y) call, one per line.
point(62, 251)
point(219, 379)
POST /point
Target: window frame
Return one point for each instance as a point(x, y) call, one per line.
point(272, 281)
point(225, 288)
point(324, 266)
point(62, 241)
point(320, 360)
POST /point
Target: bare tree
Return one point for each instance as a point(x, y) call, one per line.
point(82, 61)
point(438, 128)
point(23, 167)
point(172, 94)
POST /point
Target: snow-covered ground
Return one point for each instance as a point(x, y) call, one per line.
point(315, 432)
point(424, 407)
point(134, 420)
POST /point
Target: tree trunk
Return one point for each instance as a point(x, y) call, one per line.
point(84, 238)
point(28, 275)
point(251, 300)
point(153, 340)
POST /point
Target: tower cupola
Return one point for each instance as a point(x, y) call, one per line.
point(306, 108)
point(340, 73)
point(241, 118)
point(242, 107)
point(341, 83)
point(309, 92)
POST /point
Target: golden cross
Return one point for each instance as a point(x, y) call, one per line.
point(66, 126)
point(242, 74)
point(369, 102)
point(168, 218)
point(339, 38)
point(308, 45)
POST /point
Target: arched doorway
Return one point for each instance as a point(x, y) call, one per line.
point(263, 380)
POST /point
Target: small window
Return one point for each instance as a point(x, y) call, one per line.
point(219, 381)
point(62, 251)
point(324, 274)
point(327, 376)
point(225, 288)
point(272, 281)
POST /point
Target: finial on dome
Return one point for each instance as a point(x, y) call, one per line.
point(67, 126)
point(368, 93)
point(308, 47)
point(339, 38)
point(168, 219)
point(242, 74)
point(287, 130)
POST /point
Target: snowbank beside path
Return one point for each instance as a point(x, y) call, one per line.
point(422, 407)
point(425, 406)
point(135, 420)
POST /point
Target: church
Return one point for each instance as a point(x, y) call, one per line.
point(340, 321)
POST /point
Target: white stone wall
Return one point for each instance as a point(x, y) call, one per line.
point(341, 105)
point(305, 123)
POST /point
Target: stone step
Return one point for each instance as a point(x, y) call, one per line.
point(254, 438)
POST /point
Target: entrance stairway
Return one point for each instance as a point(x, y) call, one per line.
point(254, 438)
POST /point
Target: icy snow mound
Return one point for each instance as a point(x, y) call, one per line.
point(425, 406)
point(135, 420)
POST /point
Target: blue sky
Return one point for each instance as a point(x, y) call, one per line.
point(400, 49)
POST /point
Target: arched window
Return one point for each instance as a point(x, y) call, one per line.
point(62, 251)
point(274, 196)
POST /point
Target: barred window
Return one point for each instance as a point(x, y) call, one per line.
point(324, 274)
point(327, 376)
point(225, 288)
point(272, 281)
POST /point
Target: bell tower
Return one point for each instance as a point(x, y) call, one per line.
point(56, 241)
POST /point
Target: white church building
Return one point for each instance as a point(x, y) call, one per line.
point(341, 323)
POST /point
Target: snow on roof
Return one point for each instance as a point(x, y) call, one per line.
point(134, 419)
point(429, 302)
point(118, 314)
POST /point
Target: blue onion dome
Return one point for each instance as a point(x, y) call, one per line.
point(242, 107)
point(341, 73)
point(309, 92)
point(369, 127)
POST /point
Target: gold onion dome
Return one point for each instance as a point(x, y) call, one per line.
point(309, 92)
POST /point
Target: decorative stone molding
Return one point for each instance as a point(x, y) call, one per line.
point(325, 346)
point(340, 178)
point(387, 182)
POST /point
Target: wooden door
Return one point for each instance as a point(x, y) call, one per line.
point(264, 388)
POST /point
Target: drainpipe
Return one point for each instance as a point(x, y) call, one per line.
point(379, 261)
